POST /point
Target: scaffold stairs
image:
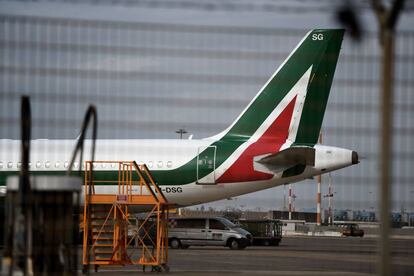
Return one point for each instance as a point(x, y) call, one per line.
point(107, 218)
point(102, 233)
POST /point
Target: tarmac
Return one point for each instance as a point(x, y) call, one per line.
point(295, 256)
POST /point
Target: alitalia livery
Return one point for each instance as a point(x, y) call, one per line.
point(272, 142)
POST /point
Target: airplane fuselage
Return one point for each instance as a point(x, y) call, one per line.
point(175, 164)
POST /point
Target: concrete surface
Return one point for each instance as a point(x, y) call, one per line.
point(295, 256)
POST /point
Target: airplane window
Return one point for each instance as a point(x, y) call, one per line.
point(38, 164)
point(66, 164)
point(169, 164)
point(10, 165)
point(159, 164)
point(75, 165)
point(150, 164)
point(47, 164)
point(1, 165)
point(57, 164)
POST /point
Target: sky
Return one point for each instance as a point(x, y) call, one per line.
point(204, 94)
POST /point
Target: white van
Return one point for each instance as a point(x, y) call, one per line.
point(184, 232)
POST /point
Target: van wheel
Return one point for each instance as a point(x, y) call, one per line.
point(175, 243)
point(234, 244)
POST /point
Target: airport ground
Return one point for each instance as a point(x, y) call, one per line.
point(294, 256)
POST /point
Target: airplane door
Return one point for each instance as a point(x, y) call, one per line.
point(206, 165)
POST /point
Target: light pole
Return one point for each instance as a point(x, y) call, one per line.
point(290, 201)
point(330, 200)
point(181, 131)
point(318, 193)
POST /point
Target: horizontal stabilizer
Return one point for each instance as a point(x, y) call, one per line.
point(289, 158)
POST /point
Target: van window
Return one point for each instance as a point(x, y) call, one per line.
point(191, 223)
point(215, 224)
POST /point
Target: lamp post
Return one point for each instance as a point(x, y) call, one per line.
point(181, 131)
point(330, 200)
point(318, 193)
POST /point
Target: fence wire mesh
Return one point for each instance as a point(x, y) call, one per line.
point(150, 79)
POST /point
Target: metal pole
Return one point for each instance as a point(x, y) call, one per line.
point(386, 157)
point(318, 193)
point(330, 198)
point(290, 201)
point(318, 201)
point(293, 202)
point(181, 131)
point(387, 18)
point(25, 245)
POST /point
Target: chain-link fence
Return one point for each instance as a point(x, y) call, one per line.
point(150, 79)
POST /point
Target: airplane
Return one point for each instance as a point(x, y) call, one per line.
point(272, 142)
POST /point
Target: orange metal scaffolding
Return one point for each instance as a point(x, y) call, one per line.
point(107, 236)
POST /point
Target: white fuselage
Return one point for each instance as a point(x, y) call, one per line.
point(161, 155)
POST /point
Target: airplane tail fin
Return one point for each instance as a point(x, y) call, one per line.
point(291, 105)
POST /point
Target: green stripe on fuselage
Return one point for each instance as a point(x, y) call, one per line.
point(100, 177)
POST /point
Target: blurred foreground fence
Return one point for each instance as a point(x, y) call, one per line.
point(149, 79)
